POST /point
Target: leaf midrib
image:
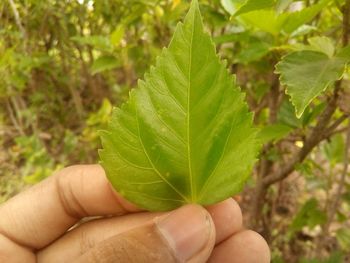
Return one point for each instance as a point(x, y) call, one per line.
point(192, 186)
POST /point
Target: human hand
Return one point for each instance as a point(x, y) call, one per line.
point(35, 226)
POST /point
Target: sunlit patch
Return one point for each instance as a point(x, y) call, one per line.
point(299, 144)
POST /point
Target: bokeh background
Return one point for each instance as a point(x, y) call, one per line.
point(65, 63)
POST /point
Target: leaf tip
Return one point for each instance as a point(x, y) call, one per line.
point(194, 3)
point(299, 112)
point(194, 8)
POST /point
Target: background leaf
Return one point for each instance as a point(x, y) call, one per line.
point(323, 44)
point(343, 236)
point(104, 63)
point(309, 215)
point(252, 5)
point(307, 74)
point(271, 21)
point(253, 52)
point(334, 149)
point(296, 19)
point(230, 5)
point(273, 132)
point(267, 20)
point(99, 42)
point(117, 35)
point(185, 134)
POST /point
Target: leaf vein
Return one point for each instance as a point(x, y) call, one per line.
point(151, 163)
point(204, 188)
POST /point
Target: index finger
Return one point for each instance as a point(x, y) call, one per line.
point(44, 212)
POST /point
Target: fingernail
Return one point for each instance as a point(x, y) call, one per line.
point(187, 230)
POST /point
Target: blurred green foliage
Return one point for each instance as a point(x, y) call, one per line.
point(63, 64)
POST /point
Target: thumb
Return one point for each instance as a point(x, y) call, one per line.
point(185, 235)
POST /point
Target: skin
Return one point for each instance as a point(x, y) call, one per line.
point(48, 223)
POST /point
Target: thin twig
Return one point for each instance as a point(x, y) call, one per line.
point(336, 123)
point(341, 130)
point(335, 204)
point(17, 18)
point(13, 118)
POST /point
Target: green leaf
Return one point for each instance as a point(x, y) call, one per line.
point(99, 42)
point(344, 53)
point(117, 35)
point(233, 37)
point(322, 44)
point(311, 113)
point(286, 115)
point(299, 18)
point(309, 215)
point(334, 149)
point(307, 74)
point(343, 237)
point(303, 30)
point(281, 5)
point(230, 6)
point(253, 52)
point(269, 20)
point(102, 115)
point(273, 132)
point(185, 135)
point(252, 5)
point(266, 20)
point(104, 63)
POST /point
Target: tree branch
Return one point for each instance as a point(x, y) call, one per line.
point(336, 123)
point(314, 138)
point(346, 10)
